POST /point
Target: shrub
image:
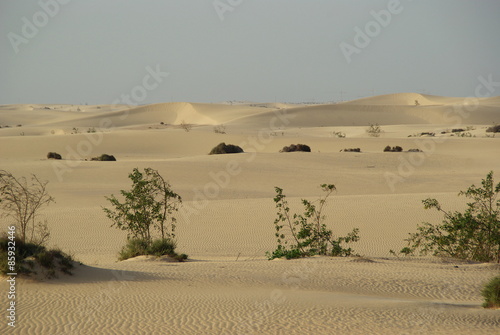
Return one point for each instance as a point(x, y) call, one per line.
point(223, 148)
point(414, 150)
point(104, 158)
point(148, 206)
point(53, 155)
point(494, 129)
point(29, 254)
point(351, 150)
point(159, 247)
point(162, 247)
point(338, 134)
point(308, 231)
point(374, 130)
point(22, 200)
point(397, 148)
point(472, 235)
point(220, 129)
point(186, 126)
point(491, 293)
point(134, 247)
point(296, 147)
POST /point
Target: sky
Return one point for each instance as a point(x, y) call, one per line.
point(150, 51)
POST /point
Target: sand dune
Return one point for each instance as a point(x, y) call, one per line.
point(226, 224)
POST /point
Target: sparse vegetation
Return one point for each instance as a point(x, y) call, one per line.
point(186, 126)
point(91, 130)
point(491, 293)
point(307, 233)
point(338, 134)
point(471, 235)
point(104, 158)
point(223, 148)
point(148, 207)
point(158, 247)
point(28, 255)
point(493, 129)
point(220, 129)
point(414, 150)
point(296, 147)
point(351, 150)
point(374, 130)
point(397, 148)
point(53, 155)
point(22, 200)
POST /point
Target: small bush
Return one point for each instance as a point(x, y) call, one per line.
point(162, 247)
point(186, 126)
point(104, 157)
point(351, 150)
point(223, 148)
point(220, 129)
point(296, 147)
point(414, 150)
point(159, 247)
point(491, 293)
point(307, 232)
point(29, 254)
point(397, 148)
point(338, 134)
point(53, 155)
point(374, 130)
point(494, 129)
point(134, 247)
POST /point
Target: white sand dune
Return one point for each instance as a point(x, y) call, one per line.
point(226, 224)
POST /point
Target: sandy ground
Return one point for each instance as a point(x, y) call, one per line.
point(226, 223)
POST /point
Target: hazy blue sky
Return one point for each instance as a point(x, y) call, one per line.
point(96, 51)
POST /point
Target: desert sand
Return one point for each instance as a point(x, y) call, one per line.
point(226, 224)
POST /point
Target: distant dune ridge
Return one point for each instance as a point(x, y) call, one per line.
point(226, 223)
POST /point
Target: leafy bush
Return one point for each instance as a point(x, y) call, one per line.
point(374, 130)
point(491, 293)
point(159, 247)
point(309, 234)
point(104, 157)
point(223, 148)
point(296, 147)
point(472, 235)
point(148, 206)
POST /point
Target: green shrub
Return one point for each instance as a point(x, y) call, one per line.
point(471, 235)
point(491, 293)
point(162, 247)
point(51, 260)
point(134, 247)
point(223, 148)
point(159, 247)
point(307, 231)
